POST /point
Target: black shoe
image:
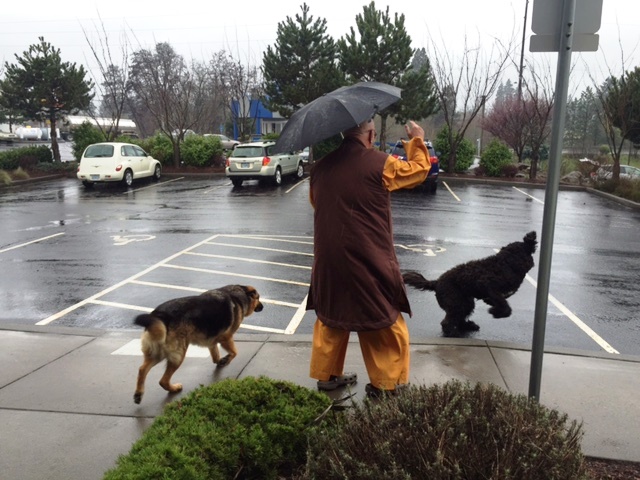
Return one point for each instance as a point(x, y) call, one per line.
point(338, 381)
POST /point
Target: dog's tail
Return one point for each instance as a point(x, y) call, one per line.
point(154, 326)
point(418, 281)
point(530, 242)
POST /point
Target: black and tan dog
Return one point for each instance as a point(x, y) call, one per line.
point(206, 320)
point(492, 280)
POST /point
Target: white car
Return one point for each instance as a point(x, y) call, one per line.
point(116, 162)
point(227, 143)
point(256, 161)
point(626, 171)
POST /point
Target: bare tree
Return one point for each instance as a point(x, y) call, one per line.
point(538, 108)
point(507, 121)
point(173, 92)
point(614, 101)
point(464, 87)
point(114, 87)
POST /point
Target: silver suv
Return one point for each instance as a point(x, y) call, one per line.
point(255, 161)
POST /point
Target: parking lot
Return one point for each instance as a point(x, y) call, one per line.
point(95, 258)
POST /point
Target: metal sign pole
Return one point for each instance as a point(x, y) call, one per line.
point(551, 195)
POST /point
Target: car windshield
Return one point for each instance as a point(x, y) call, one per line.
point(246, 152)
point(99, 151)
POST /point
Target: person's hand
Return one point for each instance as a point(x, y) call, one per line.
point(414, 130)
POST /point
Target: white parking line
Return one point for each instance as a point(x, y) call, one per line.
point(155, 185)
point(32, 241)
point(451, 191)
point(581, 325)
point(297, 185)
point(530, 196)
point(574, 318)
point(233, 274)
point(251, 260)
point(70, 309)
point(252, 247)
point(297, 317)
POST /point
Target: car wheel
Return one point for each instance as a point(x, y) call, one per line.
point(300, 171)
point(87, 184)
point(127, 179)
point(433, 187)
point(157, 173)
point(277, 178)
point(237, 182)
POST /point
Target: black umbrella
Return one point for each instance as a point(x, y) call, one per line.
point(335, 112)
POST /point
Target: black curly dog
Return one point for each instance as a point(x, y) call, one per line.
point(491, 279)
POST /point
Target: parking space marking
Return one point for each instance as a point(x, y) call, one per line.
point(251, 260)
point(579, 323)
point(530, 196)
point(451, 191)
point(232, 274)
point(32, 241)
point(300, 308)
point(297, 185)
point(297, 317)
point(253, 247)
point(574, 318)
point(155, 185)
point(84, 302)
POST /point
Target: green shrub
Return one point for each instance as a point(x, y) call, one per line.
point(450, 431)
point(494, 157)
point(200, 151)
point(464, 152)
point(25, 157)
point(252, 428)
point(83, 136)
point(159, 147)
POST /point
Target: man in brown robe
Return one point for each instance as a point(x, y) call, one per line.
point(356, 284)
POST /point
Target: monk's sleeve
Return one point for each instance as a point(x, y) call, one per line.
point(407, 173)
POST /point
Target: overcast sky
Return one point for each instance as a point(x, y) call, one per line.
point(196, 29)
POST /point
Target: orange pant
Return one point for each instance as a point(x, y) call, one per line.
point(385, 353)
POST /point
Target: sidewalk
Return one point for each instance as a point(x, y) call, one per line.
point(66, 395)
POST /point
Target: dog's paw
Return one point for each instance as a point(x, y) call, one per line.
point(502, 312)
point(137, 397)
point(224, 361)
point(470, 326)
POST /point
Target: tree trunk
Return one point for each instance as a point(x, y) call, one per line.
point(176, 154)
point(54, 141)
point(533, 171)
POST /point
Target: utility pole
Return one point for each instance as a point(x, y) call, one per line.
point(524, 31)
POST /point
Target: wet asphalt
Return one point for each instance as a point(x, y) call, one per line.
point(94, 258)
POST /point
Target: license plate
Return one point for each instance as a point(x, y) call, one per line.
point(245, 165)
point(95, 177)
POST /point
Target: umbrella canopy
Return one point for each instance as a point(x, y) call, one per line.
point(335, 112)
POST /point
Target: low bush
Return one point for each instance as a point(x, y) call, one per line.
point(495, 157)
point(83, 136)
point(449, 431)
point(19, 174)
point(25, 157)
point(464, 153)
point(252, 428)
point(200, 151)
point(5, 178)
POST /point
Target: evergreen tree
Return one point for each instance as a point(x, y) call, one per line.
point(382, 52)
point(301, 66)
point(49, 88)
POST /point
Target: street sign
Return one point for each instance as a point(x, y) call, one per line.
point(546, 22)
